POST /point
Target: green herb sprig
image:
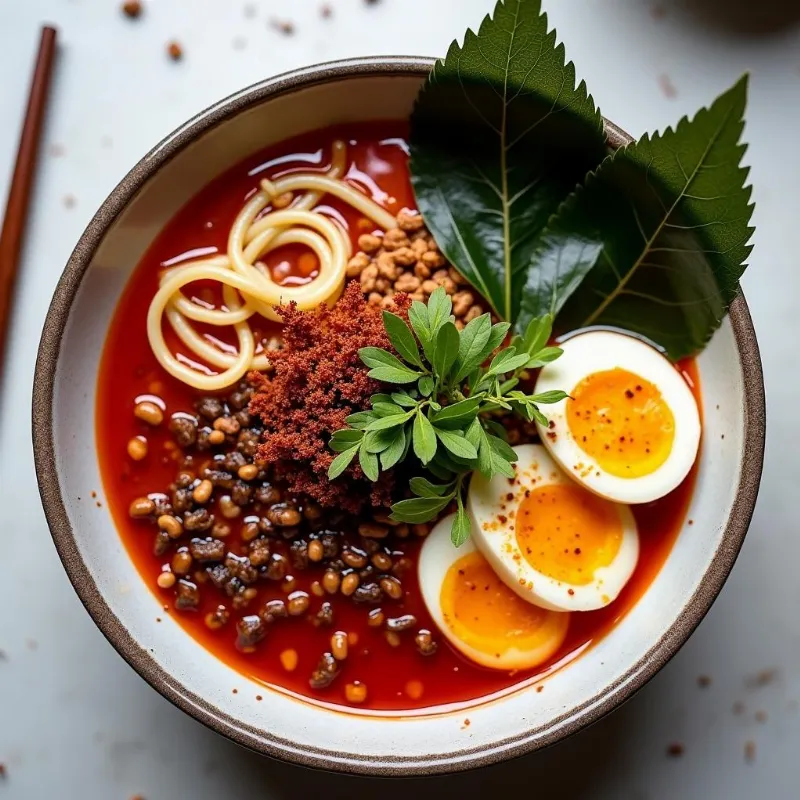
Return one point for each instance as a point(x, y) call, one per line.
point(443, 406)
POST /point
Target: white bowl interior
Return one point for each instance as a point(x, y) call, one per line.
point(359, 739)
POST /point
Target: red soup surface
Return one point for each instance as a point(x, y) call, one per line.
point(396, 677)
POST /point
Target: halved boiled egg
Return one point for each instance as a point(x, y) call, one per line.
point(478, 613)
point(630, 429)
point(550, 540)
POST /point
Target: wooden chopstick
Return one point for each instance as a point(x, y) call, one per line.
point(15, 216)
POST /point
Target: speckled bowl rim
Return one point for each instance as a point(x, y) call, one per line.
point(268, 743)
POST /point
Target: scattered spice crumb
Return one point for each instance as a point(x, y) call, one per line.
point(326, 11)
point(236, 691)
point(750, 751)
point(738, 707)
point(761, 716)
point(539, 688)
point(174, 51)
point(132, 8)
point(675, 750)
point(466, 724)
point(239, 43)
point(70, 201)
point(249, 10)
point(3, 770)
point(259, 698)
point(690, 522)
point(667, 86)
point(56, 150)
point(93, 494)
point(137, 797)
point(703, 681)
point(98, 504)
point(283, 26)
point(763, 678)
point(158, 619)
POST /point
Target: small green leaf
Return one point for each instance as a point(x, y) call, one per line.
point(496, 337)
point(457, 414)
point(544, 356)
point(420, 322)
point(473, 433)
point(360, 419)
point(418, 509)
point(341, 462)
point(462, 527)
point(439, 307)
point(381, 397)
point(425, 385)
point(393, 374)
point(502, 448)
point(537, 334)
point(548, 398)
point(378, 441)
point(376, 357)
point(490, 461)
point(344, 439)
point(507, 361)
point(424, 488)
point(405, 400)
point(401, 338)
point(368, 462)
point(473, 339)
point(439, 471)
point(446, 350)
point(456, 443)
point(387, 409)
point(393, 454)
point(424, 438)
point(390, 421)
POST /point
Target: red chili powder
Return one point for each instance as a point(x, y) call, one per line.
point(318, 380)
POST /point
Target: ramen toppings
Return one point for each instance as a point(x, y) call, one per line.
point(300, 574)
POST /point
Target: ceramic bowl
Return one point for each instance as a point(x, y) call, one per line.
point(107, 582)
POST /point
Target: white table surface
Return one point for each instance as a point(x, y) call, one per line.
point(75, 721)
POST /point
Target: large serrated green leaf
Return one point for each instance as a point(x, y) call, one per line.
point(500, 135)
point(656, 240)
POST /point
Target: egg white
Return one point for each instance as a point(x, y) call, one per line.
point(438, 554)
point(598, 351)
point(493, 516)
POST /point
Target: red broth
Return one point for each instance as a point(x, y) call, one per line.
point(378, 159)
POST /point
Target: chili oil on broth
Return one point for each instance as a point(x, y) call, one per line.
point(377, 163)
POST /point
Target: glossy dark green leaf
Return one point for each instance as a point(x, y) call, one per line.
point(496, 337)
point(656, 240)
point(401, 338)
point(341, 463)
point(544, 356)
point(424, 438)
point(462, 527)
point(378, 441)
point(446, 350)
point(418, 509)
point(440, 306)
point(420, 321)
point(439, 470)
point(536, 334)
point(492, 460)
point(507, 361)
point(500, 135)
point(456, 443)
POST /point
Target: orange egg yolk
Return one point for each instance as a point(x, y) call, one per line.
point(486, 615)
point(621, 421)
point(567, 533)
